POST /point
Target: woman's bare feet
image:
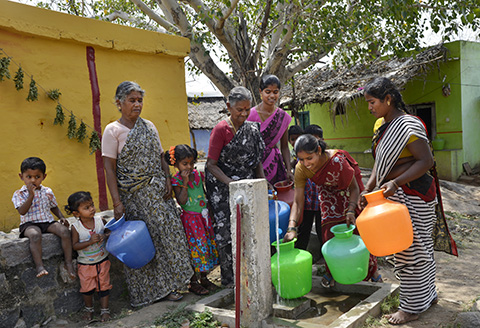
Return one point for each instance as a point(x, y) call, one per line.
point(401, 317)
point(41, 271)
point(87, 314)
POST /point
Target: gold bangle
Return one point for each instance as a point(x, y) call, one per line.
point(351, 212)
point(117, 204)
point(395, 183)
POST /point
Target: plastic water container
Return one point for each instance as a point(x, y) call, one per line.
point(294, 278)
point(283, 216)
point(130, 242)
point(346, 255)
point(384, 225)
point(285, 191)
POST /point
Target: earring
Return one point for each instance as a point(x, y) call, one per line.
point(388, 103)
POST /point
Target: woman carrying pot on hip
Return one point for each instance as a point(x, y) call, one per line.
point(403, 160)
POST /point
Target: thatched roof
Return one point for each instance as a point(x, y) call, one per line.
point(342, 85)
point(205, 113)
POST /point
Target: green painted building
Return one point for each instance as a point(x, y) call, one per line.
point(442, 86)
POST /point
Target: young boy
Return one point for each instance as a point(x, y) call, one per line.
point(311, 209)
point(294, 132)
point(34, 203)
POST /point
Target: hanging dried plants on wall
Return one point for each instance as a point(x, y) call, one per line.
point(73, 132)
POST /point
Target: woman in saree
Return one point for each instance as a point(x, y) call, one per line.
point(138, 181)
point(274, 124)
point(403, 160)
point(235, 152)
point(339, 183)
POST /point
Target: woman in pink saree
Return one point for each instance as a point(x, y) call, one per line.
point(274, 124)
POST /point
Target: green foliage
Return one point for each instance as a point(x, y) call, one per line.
point(81, 133)
point(33, 91)
point(95, 143)
point(60, 116)
point(54, 94)
point(175, 318)
point(18, 79)
point(4, 72)
point(72, 127)
point(390, 304)
point(351, 32)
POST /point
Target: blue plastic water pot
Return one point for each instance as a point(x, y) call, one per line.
point(130, 242)
point(283, 215)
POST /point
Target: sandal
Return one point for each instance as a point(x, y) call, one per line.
point(327, 281)
point(88, 314)
point(198, 289)
point(174, 296)
point(378, 279)
point(208, 284)
point(105, 314)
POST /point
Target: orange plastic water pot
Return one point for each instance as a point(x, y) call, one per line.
point(384, 225)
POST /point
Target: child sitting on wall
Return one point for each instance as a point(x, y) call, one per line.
point(34, 202)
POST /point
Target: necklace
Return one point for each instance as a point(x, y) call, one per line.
point(233, 126)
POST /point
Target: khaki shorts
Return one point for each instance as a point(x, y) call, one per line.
point(94, 276)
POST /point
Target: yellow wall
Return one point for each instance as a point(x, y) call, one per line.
point(52, 46)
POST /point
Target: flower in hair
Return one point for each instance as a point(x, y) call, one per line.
point(172, 155)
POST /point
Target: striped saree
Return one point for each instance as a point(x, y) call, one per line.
point(415, 266)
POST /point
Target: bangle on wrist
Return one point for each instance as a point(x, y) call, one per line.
point(295, 221)
point(395, 183)
point(351, 212)
point(117, 204)
point(292, 229)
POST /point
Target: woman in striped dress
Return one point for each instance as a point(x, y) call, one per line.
point(402, 162)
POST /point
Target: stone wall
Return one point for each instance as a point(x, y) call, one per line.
point(23, 295)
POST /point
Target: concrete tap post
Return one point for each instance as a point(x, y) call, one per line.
point(256, 287)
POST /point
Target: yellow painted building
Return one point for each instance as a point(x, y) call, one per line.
point(52, 47)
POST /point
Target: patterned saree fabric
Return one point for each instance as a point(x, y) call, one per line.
point(333, 181)
point(238, 160)
point(142, 184)
point(272, 130)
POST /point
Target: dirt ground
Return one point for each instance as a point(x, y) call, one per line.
point(458, 278)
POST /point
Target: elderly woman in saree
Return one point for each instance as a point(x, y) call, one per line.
point(138, 181)
point(403, 160)
point(274, 124)
point(235, 152)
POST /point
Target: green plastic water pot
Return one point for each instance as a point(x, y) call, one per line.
point(291, 270)
point(346, 255)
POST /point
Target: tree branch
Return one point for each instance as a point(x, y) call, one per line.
point(153, 15)
point(226, 13)
point(302, 64)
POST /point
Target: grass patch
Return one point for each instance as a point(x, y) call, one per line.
point(180, 315)
point(390, 304)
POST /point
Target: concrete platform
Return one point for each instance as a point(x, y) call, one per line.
point(329, 307)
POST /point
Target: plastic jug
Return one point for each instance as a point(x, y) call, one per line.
point(384, 225)
point(346, 255)
point(130, 242)
point(285, 191)
point(283, 215)
point(295, 270)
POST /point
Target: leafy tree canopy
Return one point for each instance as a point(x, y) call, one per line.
point(284, 37)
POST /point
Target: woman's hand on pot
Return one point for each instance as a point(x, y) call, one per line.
point(350, 218)
point(389, 188)
point(118, 211)
point(362, 201)
point(290, 176)
point(289, 236)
